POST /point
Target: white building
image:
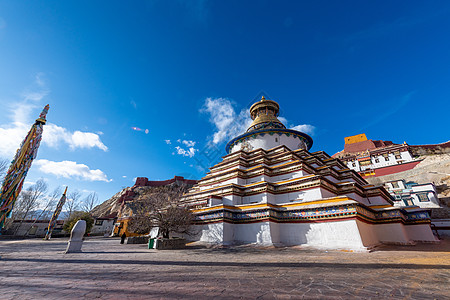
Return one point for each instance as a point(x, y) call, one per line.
point(376, 158)
point(270, 190)
point(103, 226)
point(411, 193)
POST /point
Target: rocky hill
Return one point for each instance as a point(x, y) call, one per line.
point(125, 198)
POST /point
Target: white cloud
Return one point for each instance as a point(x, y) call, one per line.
point(228, 124)
point(71, 169)
point(306, 128)
point(39, 79)
point(10, 138)
point(35, 96)
point(124, 176)
point(12, 133)
point(168, 142)
point(190, 152)
point(223, 116)
point(189, 143)
point(86, 140)
point(54, 134)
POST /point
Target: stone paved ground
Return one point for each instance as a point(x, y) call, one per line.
point(36, 269)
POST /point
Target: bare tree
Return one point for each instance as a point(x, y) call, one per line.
point(29, 200)
point(161, 208)
point(53, 199)
point(89, 202)
point(73, 201)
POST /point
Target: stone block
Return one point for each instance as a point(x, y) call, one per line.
point(137, 240)
point(170, 244)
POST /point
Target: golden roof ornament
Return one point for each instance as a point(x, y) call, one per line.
point(264, 114)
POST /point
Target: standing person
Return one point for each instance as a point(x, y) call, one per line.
point(123, 237)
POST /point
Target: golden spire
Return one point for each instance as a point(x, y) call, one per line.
point(264, 114)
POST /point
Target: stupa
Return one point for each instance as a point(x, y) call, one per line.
point(270, 190)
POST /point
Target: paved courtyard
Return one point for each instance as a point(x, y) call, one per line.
point(37, 269)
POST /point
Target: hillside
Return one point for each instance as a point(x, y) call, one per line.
point(143, 186)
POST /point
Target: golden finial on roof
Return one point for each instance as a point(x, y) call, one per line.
point(264, 115)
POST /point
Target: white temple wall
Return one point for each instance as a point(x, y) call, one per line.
point(227, 201)
point(275, 233)
point(376, 200)
point(335, 235)
point(378, 161)
point(241, 181)
point(259, 233)
point(326, 193)
point(234, 199)
point(347, 234)
point(331, 178)
point(420, 232)
point(368, 235)
point(391, 233)
point(296, 196)
point(312, 194)
point(358, 198)
point(296, 174)
point(291, 234)
point(252, 199)
point(216, 233)
point(254, 179)
point(267, 142)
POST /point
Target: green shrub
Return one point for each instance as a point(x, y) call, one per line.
point(79, 215)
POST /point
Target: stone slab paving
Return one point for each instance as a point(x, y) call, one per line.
point(37, 269)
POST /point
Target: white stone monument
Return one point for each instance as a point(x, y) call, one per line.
point(76, 237)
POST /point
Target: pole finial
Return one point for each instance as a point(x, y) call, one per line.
point(43, 115)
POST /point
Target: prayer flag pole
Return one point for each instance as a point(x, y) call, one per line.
point(12, 185)
point(55, 215)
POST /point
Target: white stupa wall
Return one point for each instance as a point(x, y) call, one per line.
point(368, 236)
point(258, 233)
point(268, 141)
point(420, 232)
point(347, 234)
point(391, 233)
point(325, 235)
point(216, 233)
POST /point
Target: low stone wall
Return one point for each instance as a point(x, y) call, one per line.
point(169, 244)
point(137, 240)
point(430, 149)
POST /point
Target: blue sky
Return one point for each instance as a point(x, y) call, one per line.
point(187, 71)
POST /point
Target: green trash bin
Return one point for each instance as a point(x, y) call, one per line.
point(151, 243)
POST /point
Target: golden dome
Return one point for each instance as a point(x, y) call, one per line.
point(264, 114)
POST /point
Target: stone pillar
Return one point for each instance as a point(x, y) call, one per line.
point(76, 237)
